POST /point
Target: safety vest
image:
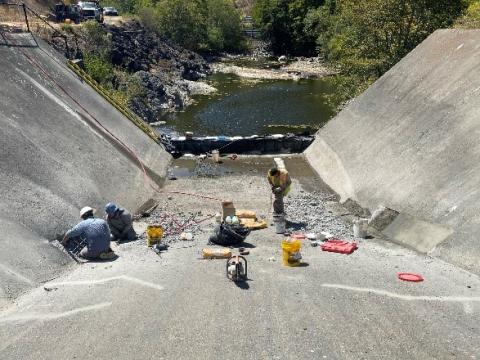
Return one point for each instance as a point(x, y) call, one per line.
point(281, 180)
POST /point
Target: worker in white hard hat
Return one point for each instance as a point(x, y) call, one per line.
point(96, 234)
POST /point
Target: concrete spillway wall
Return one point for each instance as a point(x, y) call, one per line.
point(55, 159)
point(411, 142)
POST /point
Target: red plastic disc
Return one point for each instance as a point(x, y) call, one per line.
point(410, 277)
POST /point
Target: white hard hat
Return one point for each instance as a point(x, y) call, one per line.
point(85, 210)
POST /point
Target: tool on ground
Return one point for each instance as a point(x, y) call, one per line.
point(237, 268)
point(291, 252)
point(339, 246)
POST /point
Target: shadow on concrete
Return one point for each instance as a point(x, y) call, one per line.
point(5, 40)
point(243, 284)
point(244, 244)
point(296, 225)
point(103, 260)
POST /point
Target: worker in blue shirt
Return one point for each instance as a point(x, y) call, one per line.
point(96, 234)
point(120, 223)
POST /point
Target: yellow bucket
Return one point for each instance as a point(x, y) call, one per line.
point(154, 234)
point(291, 252)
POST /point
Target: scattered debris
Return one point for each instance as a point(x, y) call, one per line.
point(50, 288)
point(186, 236)
point(158, 248)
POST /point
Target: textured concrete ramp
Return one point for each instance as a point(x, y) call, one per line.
point(411, 143)
point(55, 159)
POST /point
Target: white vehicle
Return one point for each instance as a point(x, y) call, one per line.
point(90, 11)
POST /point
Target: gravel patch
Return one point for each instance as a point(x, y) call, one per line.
point(307, 211)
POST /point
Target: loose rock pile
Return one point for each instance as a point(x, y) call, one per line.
point(307, 212)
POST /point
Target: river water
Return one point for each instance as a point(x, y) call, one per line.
point(246, 107)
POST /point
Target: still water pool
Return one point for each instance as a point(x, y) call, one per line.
point(246, 107)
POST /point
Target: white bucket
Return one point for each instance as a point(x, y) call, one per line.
point(280, 224)
point(360, 227)
point(216, 156)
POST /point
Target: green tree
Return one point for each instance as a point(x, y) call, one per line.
point(196, 24)
point(282, 22)
point(366, 38)
point(471, 20)
point(224, 27)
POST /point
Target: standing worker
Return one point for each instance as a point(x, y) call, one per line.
point(120, 222)
point(94, 232)
point(280, 182)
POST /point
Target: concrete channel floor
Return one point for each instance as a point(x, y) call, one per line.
point(177, 306)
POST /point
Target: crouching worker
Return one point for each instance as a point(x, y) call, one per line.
point(95, 233)
point(280, 182)
point(120, 222)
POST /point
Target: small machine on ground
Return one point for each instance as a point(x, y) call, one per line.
point(237, 268)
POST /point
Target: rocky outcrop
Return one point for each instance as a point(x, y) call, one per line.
point(160, 67)
point(163, 70)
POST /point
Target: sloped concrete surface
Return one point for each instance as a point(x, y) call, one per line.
point(55, 159)
point(410, 143)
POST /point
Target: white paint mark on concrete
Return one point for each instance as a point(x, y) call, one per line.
point(16, 274)
point(468, 307)
point(52, 96)
point(460, 46)
point(465, 300)
point(57, 100)
point(52, 316)
point(103, 281)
